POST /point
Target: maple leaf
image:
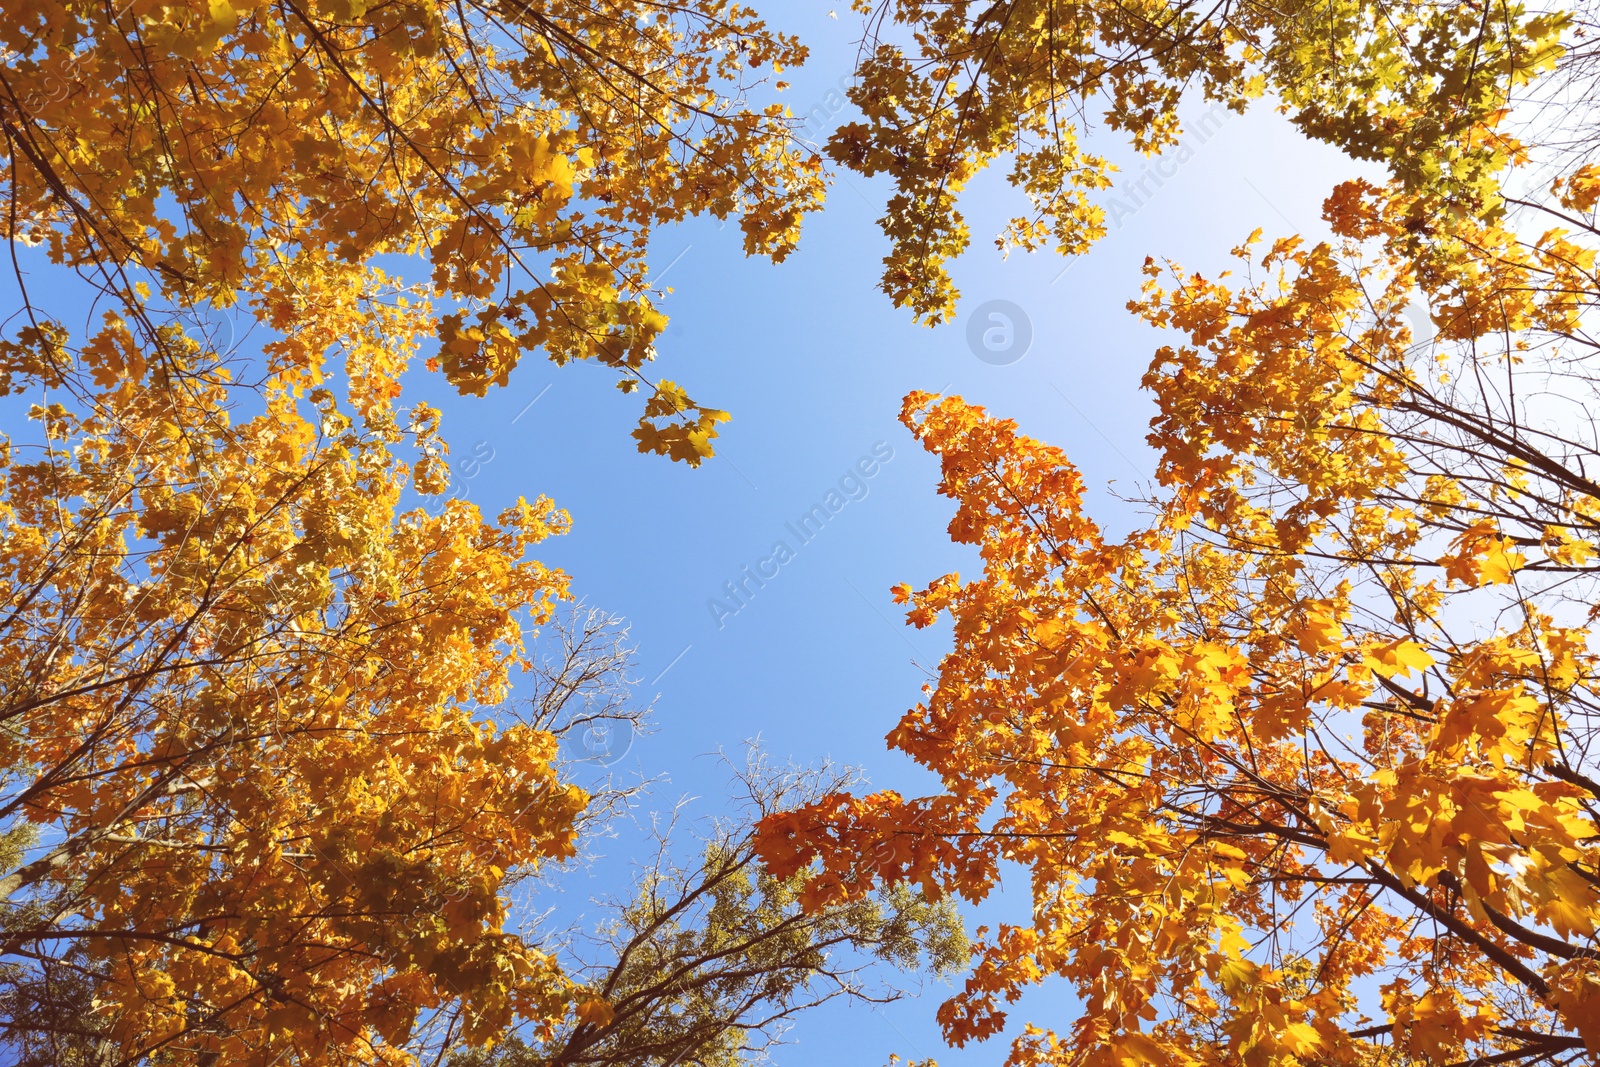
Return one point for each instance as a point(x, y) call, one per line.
point(1164, 793)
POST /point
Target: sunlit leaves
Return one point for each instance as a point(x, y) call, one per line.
point(1254, 763)
point(1417, 85)
point(264, 156)
point(241, 711)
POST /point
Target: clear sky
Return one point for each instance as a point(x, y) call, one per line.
point(812, 361)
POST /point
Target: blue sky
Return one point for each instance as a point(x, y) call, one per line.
point(812, 361)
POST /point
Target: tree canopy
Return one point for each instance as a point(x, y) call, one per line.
point(238, 692)
point(1302, 769)
point(265, 156)
point(948, 89)
point(261, 800)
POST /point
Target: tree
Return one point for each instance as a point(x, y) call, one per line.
point(263, 816)
point(947, 89)
point(239, 691)
point(255, 810)
point(1304, 770)
point(710, 959)
point(197, 155)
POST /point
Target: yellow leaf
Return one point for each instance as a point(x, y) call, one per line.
point(1301, 1039)
point(1398, 657)
point(1501, 562)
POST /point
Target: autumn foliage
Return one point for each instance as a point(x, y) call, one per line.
point(258, 806)
point(947, 90)
point(262, 156)
point(1301, 771)
point(238, 713)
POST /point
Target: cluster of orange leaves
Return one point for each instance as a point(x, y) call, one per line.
point(1276, 803)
